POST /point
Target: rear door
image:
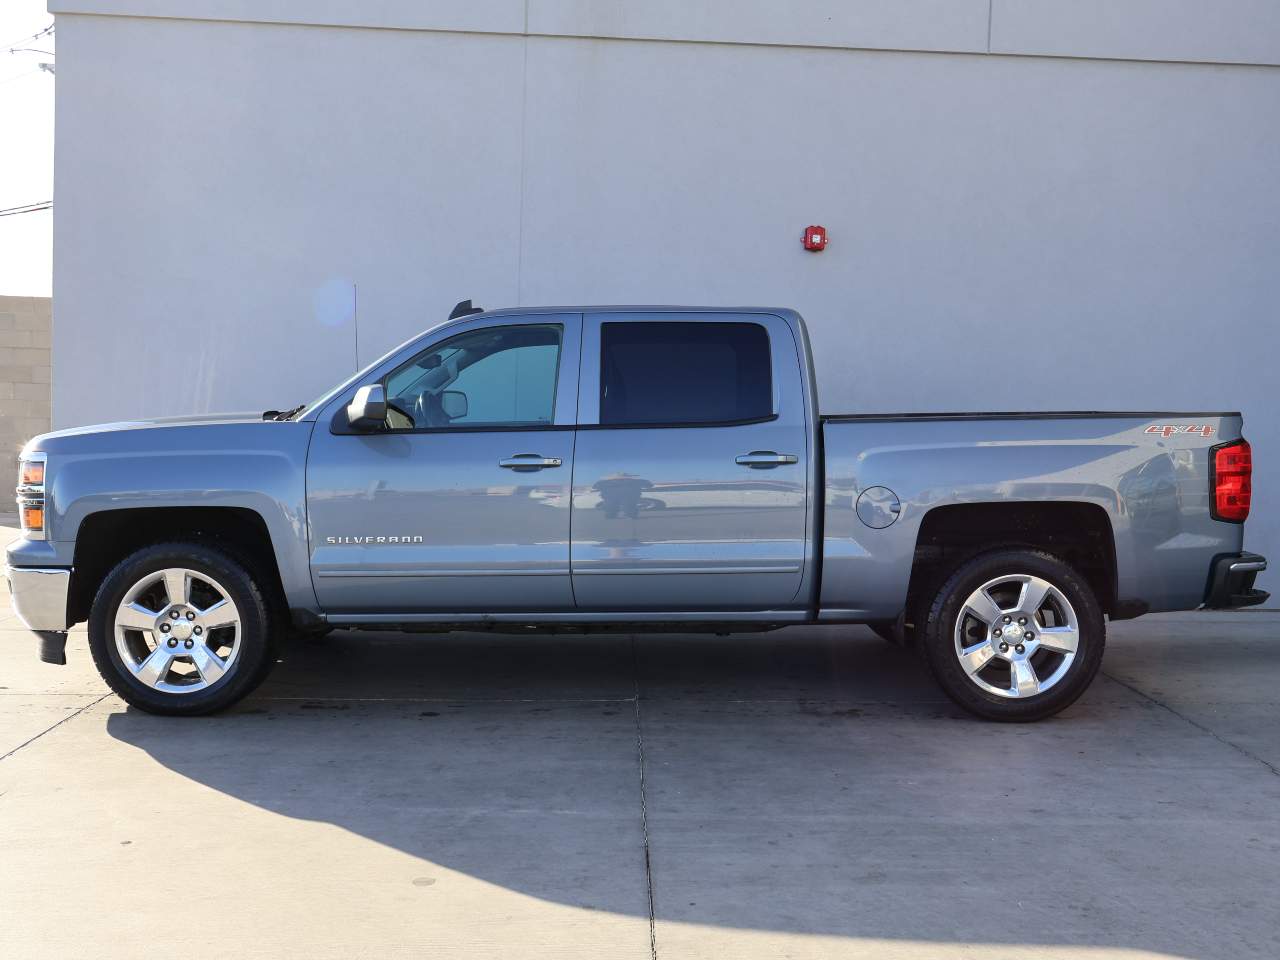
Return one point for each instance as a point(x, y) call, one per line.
point(691, 464)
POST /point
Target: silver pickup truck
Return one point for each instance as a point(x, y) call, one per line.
point(624, 468)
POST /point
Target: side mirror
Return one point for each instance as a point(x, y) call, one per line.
point(368, 408)
point(454, 404)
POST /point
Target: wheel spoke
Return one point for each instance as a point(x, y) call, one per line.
point(134, 616)
point(210, 665)
point(156, 666)
point(976, 657)
point(177, 586)
point(1025, 682)
point(1032, 596)
point(221, 614)
point(983, 607)
point(1059, 639)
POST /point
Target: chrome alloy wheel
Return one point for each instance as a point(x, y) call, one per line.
point(1016, 636)
point(177, 630)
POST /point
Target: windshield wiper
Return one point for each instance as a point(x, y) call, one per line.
point(283, 414)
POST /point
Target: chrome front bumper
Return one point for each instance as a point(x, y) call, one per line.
point(39, 597)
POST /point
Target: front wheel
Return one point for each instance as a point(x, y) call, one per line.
point(1014, 635)
point(179, 628)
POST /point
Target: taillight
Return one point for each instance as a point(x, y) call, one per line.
point(1231, 481)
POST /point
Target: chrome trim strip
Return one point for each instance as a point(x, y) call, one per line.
point(644, 616)
point(555, 572)
point(1249, 566)
point(444, 573)
point(636, 571)
point(39, 596)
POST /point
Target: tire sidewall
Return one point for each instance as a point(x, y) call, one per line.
point(234, 577)
point(939, 635)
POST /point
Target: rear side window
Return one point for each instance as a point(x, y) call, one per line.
point(662, 373)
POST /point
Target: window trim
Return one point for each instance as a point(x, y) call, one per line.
point(733, 319)
point(340, 427)
point(678, 425)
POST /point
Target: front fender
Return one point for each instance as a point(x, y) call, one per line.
point(256, 467)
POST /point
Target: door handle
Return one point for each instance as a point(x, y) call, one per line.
point(530, 461)
point(763, 459)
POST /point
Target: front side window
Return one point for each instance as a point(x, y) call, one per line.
point(671, 373)
point(492, 377)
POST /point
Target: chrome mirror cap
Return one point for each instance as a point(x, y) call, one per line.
point(368, 408)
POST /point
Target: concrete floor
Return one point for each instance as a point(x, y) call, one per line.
point(800, 794)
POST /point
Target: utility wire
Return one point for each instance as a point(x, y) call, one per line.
point(28, 208)
point(47, 31)
point(19, 76)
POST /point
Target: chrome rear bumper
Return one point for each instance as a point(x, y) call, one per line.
point(1231, 581)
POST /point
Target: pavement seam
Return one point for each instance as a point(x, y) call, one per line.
point(644, 809)
point(70, 716)
point(1199, 726)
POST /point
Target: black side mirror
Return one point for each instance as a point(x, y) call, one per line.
point(368, 408)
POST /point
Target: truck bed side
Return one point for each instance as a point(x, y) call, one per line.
point(1146, 474)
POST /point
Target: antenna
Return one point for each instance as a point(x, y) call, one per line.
point(464, 309)
point(355, 322)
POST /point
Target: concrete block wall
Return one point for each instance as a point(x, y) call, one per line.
point(25, 332)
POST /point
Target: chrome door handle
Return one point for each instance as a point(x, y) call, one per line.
point(530, 461)
point(760, 459)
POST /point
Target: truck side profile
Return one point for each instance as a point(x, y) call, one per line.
point(600, 468)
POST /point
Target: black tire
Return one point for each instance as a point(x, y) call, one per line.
point(253, 660)
point(938, 636)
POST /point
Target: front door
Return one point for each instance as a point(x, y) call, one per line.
point(461, 502)
point(691, 466)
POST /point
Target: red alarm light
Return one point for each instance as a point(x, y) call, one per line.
point(815, 239)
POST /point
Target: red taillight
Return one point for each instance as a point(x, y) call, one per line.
point(1232, 481)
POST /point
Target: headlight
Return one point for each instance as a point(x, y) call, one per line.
point(31, 495)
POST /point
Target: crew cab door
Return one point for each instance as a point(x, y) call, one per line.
point(460, 502)
point(691, 470)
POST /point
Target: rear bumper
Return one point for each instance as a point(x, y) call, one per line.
point(39, 598)
point(1231, 578)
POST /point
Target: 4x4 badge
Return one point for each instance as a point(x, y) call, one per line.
point(1168, 430)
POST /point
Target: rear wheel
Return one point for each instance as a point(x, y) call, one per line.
point(1014, 635)
point(178, 628)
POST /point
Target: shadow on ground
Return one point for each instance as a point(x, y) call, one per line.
point(810, 781)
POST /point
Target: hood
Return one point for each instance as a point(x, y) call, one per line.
point(67, 438)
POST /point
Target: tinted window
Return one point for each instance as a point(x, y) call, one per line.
point(493, 377)
point(684, 373)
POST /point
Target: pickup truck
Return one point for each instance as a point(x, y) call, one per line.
point(623, 468)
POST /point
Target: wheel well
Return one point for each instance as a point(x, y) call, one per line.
point(106, 538)
point(1078, 533)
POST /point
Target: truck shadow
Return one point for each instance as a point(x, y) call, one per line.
point(811, 781)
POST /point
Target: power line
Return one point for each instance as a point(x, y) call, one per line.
point(47, 31)
point(29, 208)
point(19, 76)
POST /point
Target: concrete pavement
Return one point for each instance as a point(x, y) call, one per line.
point(806, 793)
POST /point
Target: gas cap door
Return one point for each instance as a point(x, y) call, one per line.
point(878, 507)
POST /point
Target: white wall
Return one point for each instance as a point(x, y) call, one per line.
point(1008, 232)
